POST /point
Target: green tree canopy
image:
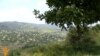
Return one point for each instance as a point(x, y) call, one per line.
point(69, 12)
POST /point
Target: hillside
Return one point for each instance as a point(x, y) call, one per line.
point(18, 34)
point(19, 26)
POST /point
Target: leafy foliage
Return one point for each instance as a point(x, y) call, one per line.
point(85, 43)
point(73, 13)
point(69, 12)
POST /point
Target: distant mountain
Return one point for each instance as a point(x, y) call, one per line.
point(19, 34)
point(25, 26)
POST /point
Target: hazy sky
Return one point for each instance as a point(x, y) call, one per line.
point(21, 10)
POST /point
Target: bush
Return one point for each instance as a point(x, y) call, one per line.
point(85, 43)
point(14, 53)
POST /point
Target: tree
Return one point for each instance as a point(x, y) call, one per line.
point(79, 13)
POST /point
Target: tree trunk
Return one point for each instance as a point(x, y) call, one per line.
point(85, 27)
point(79, 31)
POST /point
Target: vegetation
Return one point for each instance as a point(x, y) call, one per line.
point(72, 15)
point(79, 13)
point(76, 15)
point(63, 48)
point(23, 38)
point(34, 43)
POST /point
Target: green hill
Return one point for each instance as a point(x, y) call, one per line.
point(18, 34)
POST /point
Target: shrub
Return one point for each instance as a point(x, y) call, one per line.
point(85, 43)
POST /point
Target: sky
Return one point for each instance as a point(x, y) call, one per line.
point(21, 10)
